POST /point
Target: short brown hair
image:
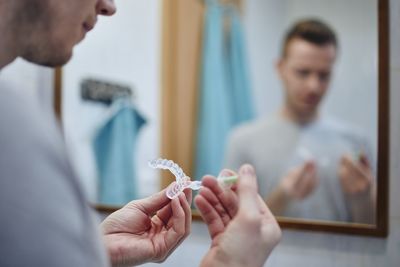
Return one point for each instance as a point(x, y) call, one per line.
point(310, 30)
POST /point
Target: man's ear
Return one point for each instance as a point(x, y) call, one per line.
point(279, 67)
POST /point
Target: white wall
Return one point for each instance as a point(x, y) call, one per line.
point(263, 25)
point(124, 50)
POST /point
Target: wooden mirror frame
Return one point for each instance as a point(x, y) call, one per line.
point(182, 24)
point(181, 48)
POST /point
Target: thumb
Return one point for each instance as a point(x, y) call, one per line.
point(306, 169)
point(364, 160)
point(309, 166)
point(247, 190)
point(154, 202)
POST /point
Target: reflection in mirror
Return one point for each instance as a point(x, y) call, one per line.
point(315, 79)
point(111, 104)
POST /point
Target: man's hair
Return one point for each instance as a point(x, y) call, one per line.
point(310, 30)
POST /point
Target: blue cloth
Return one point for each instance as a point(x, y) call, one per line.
point(224, 98)
point(214, 116)
point(114, 147)
point(242, 101)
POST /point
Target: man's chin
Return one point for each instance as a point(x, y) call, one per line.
point(50, 61)
point(308, 111)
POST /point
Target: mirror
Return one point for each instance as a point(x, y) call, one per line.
point(160, 67)
point(308, 167)
point(314, 139)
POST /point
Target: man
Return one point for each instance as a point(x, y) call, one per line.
point(45, 218)
point(309, 166)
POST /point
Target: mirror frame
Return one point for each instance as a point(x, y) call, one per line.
point(181, 48)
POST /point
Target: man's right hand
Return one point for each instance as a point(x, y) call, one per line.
point(300, 181)
point(242, 228)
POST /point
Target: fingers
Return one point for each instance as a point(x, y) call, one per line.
point(364, 160)
point(166, 212)
point(189, 196)
point(188, 222)
point(217, 206)
point(210, 216)
point(152, 204)
point(355, 170)
point(216, 203)
point(178, 222)
point(226, 197)
point(247, 191)
point(354, 177)
point(307, 181)
point(188, 212)
point(305, 171)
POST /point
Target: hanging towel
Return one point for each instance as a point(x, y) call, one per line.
point(214, 112)
point(225, 93)
point(242, 101)
point(114, 146)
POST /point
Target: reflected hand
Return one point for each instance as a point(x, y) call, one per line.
point(300, 181)
point(355, 177)
point(148, 229)
point(242, 228)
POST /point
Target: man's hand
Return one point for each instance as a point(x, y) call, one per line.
point(147, 230)
point(300, 182)
point(242, 229)
point(355, 176)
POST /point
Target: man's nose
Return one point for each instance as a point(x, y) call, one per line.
point(314, 83)
point(106, 7)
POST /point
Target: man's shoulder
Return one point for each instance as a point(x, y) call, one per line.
point(39, 191)
point(31, 144)
point(257, 128)
point(343, 128)
point(24, 122)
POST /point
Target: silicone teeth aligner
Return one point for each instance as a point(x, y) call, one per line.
point(182, 181)
point(168, 165)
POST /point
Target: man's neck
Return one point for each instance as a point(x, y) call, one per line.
point(293, 116)
point(8, 47)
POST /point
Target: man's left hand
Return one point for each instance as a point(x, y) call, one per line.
point(147, 230)
point(355, 176)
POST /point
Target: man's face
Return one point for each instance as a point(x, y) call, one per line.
point(53, 27)
point(305, 73)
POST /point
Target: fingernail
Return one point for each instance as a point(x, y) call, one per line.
point(224, 173)
point(247, 170)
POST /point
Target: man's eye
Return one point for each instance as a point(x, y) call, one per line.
point(303, 73)
point(324, 76)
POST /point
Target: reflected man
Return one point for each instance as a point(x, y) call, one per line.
point(309, 165)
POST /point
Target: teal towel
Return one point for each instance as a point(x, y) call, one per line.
point(242, 101)
point(225, 94)
point(114, 146)
point(214, 116)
